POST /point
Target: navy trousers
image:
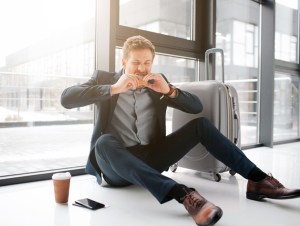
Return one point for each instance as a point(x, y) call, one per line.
point(143, 165)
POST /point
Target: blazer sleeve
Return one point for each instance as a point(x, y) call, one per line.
point(186, 102)
point(85, 94)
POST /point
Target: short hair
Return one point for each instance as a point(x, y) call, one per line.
point(137, 42)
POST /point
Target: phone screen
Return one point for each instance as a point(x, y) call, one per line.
point(90, 204)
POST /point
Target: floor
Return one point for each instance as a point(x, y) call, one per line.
point(32, 204)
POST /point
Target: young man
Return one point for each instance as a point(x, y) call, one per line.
point(129, 144)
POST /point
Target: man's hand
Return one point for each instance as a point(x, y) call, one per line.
point(157, 83)
point(153, 81)
point(125, 82)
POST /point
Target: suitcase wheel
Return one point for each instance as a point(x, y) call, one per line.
point(174, 167)
point(217, 177)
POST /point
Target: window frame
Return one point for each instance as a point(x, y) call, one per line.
point(203, 36)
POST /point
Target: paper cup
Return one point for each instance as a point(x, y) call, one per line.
point(61, 183)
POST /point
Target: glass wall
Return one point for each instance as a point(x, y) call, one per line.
point(286, 107)
point(46, 46)
point(286, 91)
point(237, 33)
point(286, 31)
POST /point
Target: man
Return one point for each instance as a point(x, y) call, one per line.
point(129, 144)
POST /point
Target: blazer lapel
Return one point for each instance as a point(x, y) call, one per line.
point(114, 98)
point(159, 108)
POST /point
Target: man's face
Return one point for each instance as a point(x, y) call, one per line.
point(138, 62)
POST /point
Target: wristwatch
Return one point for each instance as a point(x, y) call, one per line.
point(172, 89)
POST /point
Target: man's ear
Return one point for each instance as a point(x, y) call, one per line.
point(123, 63)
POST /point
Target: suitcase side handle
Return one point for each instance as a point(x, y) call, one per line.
point(237, 119)
point(237, 124)
point(213, 51)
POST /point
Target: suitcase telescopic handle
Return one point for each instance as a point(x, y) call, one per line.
point(213, 51)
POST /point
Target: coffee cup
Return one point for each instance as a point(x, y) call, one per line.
point(61, 183)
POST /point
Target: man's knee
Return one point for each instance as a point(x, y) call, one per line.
point(202, 121)
point(104, 139)
point(203, 124)
point(104, 142)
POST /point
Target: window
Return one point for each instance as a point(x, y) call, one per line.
point(286, 81)
point(237, 34)
point(245, 44)
point(47, 47)
point(286, 34)
point(159, 16)
point(286, 107)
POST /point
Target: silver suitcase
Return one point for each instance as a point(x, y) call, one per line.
point(220, 106)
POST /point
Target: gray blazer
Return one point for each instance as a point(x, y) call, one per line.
point(97, 91)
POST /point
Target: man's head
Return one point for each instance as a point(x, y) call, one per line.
point(138, 55)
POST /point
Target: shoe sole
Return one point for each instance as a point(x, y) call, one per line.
point(215, 218)
point(260, 197)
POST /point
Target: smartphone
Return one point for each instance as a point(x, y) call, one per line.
point(89, 203)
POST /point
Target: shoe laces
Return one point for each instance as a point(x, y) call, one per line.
point(275, 182)
point(194, 201)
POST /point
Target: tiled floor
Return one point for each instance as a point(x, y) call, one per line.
point(33, 204)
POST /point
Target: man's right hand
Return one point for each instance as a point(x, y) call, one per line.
point(125, 82)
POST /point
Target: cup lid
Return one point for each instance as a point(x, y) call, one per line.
point(61, 176)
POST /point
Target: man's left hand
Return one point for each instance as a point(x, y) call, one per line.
point(157, 83)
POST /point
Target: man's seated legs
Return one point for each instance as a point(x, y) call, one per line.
point(121, 167)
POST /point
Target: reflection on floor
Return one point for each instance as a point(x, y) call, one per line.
point(33, 203)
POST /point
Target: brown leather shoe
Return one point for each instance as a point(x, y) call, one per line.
point(270, 188)
point(203, 212)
